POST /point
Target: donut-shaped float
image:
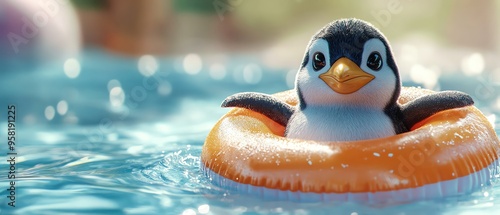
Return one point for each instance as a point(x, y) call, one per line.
point(450, 153)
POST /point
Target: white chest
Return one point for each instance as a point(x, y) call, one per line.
point(339, 124)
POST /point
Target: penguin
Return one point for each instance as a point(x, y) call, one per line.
point(348, 85)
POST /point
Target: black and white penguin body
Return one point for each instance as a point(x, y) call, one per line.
point(348, 86)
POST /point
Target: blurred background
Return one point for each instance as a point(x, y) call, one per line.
point(114, 98)
point(81, 60)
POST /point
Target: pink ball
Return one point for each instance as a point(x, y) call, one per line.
point(37, 32)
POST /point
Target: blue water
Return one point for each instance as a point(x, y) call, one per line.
point(141, 155)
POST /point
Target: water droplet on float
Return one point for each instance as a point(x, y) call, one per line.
point(457, 135)
point(376, 154)
point(310, 163)
point(390, 155)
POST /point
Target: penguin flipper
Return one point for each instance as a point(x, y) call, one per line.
point(426, 106)
point(267, 105)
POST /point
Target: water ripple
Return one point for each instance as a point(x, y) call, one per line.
point(179, 170)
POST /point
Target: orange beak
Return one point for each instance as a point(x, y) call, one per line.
point(346, 77)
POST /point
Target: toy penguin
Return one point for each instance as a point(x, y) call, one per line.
point(348, 86)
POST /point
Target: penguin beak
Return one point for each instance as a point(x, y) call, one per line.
point(346, 77)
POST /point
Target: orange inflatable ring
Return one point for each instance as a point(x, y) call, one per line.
point(450, 153)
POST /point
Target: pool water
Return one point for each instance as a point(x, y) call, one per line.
point(112, 135)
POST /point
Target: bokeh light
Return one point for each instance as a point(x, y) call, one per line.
point(252, 74)
point(147, 65)
point(189, 212)
point(217, 71)
point(50, 112)
point(192, 64)
point(165, 88)
point(422, 75)
point(116, 96)
point(113, 83)
point(72, 68)
point(204, 209)
point(62, 107)
point(473, 64)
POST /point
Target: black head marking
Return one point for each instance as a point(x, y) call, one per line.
point(346, 38)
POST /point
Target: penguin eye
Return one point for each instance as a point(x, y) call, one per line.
point(318, 61)
point(374, 61)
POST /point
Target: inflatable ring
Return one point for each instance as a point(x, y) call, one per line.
point(450, 153)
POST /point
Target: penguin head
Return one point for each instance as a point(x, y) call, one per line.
point(348, 62)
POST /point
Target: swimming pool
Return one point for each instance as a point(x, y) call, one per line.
point(112, 135)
